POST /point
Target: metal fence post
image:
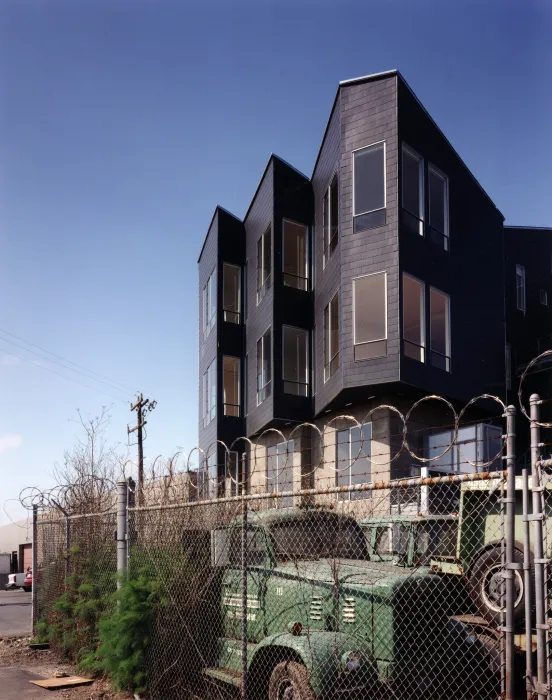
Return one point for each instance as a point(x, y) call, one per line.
point(527, 587)
point(67, 545)
point(122, 540)
point(539, 561)
point(510, 538)
point(244, 544)
point(34, 559)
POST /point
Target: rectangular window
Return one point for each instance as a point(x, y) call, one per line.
point(508, 354)
point(295, 361)
point(370, 316)
point(439, 304)
point(544, 297)
point(331, 337)
point(210, 303)
point(438, 207)
point(264, 263)
point(520, 287)
point(413, 190)
point(413, 318)
point(231, 386)
point(264, 366)
point(295, 260)
point(331, 218)
point(245, 288)
point(231, 292)
point(210, 393)
point(354, 448)
point(279, 470)
point(369, 187)
point(245, 386)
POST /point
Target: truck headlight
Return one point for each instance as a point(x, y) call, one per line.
point(351, 661)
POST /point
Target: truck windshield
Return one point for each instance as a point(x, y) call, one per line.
point(318, 539)
point(435, 538)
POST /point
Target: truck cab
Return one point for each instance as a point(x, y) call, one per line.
point(328, 617)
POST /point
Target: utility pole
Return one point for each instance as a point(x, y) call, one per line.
point(142, 407)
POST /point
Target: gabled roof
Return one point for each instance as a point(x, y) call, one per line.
point(398, 74)
point(217, 209)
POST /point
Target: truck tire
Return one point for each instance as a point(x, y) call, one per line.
point(290, 681)
point(485, 587)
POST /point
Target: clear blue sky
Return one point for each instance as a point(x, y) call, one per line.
point(123, 124)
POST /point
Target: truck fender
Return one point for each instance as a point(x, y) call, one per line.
point(320, 651)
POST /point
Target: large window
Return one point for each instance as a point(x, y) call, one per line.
point(264, 263)
point(354, 448)
point(438, 207)
point(369, 187)
point(295, 255)
point(520, 288)
point(370, 316)
point(245, 385)
point(279, 470)
point(413, 190)
point(210, 303)
point(231, 386)
point(331, 337)
point(413, 318)
point(477, 443)
point(295, 361)
point(245, 288)
point(264, 366)
point(231, 292)
point(508, 358)
point(439, 304)
point(544, 297)
point(210, 393)
point(331, 219)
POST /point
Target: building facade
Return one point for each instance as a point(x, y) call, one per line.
point(342, 299)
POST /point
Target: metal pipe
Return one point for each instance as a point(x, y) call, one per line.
point(67, 546)
point(122, 541)
point(34, 559)
point(527, 586)
point(540, 615)
point(244, 602)
point(510, 539)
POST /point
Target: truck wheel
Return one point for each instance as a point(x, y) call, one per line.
point(486, 586)
point(290, 681)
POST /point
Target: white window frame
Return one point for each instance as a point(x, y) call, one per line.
point(364, 148)
point(327, 366)
point(375, 340)
point(257, 390)
point(209, 411)
point(446, 233)
point(208, 291)
point(307, 253)
point(326, 255)
point(448, 329)
point(263, 287)
point(307, 359)
point(423, 319)
point(225, 403)
point(274, 485)
point(353, 459)
point(520, 271)
point(421, 190)
point(239, 304)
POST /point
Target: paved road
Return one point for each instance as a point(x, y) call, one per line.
point(15, 613)
point(15, 685)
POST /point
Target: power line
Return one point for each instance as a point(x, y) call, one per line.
point(70, 369)
point(27, 342)
point(63, 376)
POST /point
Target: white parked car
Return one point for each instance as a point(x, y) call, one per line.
point(15, 581)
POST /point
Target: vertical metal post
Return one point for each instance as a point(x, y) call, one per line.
point(244, 544)
point(34, 559)
point(67, 546)
point(122, 541)
point(527, 586)
point(510, 539)
point(539, 561)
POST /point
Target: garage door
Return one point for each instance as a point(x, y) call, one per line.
point(27, 556)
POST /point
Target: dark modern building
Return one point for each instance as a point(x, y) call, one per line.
point(385, 276)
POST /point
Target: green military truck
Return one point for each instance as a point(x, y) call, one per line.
point(328, 619)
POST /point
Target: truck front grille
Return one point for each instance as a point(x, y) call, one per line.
point(349, 611)
point(316, 608)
